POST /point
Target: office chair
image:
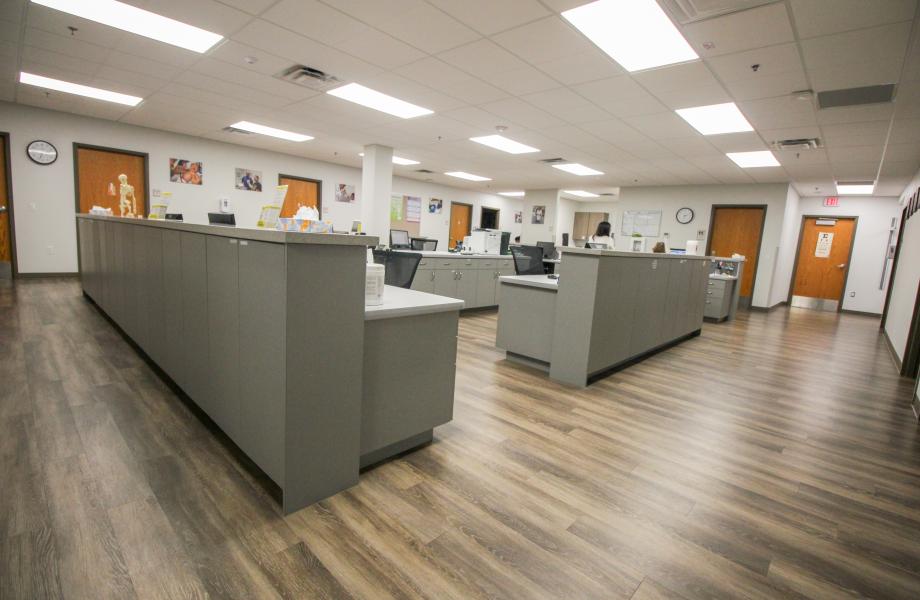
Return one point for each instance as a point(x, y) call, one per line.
point(528, 260)
point(399, 239)
point(424, 244)
point(593, 245)
point(400, 267)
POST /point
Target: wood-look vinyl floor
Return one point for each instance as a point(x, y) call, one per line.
point(772, 457)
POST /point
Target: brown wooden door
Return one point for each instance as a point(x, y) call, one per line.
point(6, 243)
point(737, 230)
point(824, 256)
point(97, 178)
point(461, 218)
point(301, 191)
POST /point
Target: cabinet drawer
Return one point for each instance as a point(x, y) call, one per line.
point(715, 292)
point(505, 263)
point(485, 263)
point(717, 283)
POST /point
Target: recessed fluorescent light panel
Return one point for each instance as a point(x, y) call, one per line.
point(468, 176)
point(398, 160)
point(580, 193)
point(500, 142)
point(79, 90)
point(635, 33)
point(750, 160)
point(715, 118)
point(855, 188)
point(577, 169)
point(513, 194)
point(365, 96)
point(137, 20)
point(265, 130)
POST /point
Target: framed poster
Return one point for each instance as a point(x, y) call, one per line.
point(539, 215)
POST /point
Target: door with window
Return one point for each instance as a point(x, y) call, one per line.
point(97, 178)
point(461, 219)
point(738, 230)
point(823, 262)
point(301, 192)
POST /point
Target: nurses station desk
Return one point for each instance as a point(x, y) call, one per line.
point(267, 333)
point(607, 310)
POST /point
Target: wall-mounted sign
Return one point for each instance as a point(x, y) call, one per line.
point(832, 201)
point(823, 247)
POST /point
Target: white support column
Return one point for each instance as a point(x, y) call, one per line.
point(376, 188)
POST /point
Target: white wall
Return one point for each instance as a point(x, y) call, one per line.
point(904, 286)
point(532, 233)
point(869, 246)
point(43, 196)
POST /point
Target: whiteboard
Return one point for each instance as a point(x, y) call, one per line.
point(646, 223)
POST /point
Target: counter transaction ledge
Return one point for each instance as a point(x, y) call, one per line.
point(267, 333)
point(609, 309)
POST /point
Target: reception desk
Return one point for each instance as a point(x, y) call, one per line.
point(607, 310)
point(267, 333)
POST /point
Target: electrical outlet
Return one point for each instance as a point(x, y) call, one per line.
point(50, 250)
point(700, 233)
point(852, 294)
point(155, 193)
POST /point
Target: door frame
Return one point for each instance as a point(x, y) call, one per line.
point(76, 170)
point(498, 213)
point(763, 224)
point(319, 189)
point(798, 251)
point(5, 140)
point(894, 267)
point(451, 214)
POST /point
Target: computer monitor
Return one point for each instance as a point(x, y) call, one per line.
point(549, 249)
point(225, 219)
point(506, 241)
point(173, 216)
point(399, 239)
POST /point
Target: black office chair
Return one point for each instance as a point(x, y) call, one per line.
point(528, 260)
point(424, 244)
point(400, 267)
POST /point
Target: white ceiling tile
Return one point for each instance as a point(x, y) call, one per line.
point(427, 28)
point(128, 82)
point(891, 186)
point(885, 44)
point(822, 17)
point(412, 91)
point(57, 22)
point(156, 51)
point(451, 81)
point(208, 14)
point(259, 82)
point(810, 171)
point(902, 152)
point(661, 126)
point(482, 58)
point(675, 77)
point(37, 60)
point(694, 96)
point(12, 10)
point(689, 147)
point(489, 17)
point(905, 131)
point(515, 110)
point(855, 114)
point(855, 154)
point(374, 11)
point(566, 104)
point(763, 26)
point(857, 74)
point(474, 116)
point(737, 142)
point(236, 53)
point(544, 40)
point(858, 170)
point(244, 92)
point(614, 131)
point(142, 66)
point(315, 20)
point(72, 46)
point(779, 71)
point(380, 49)
point(855, 134)
point(620, 96)
point(579, 68)
point(518, 82)
point(253, 7)
point(790, 158)
point(778, 113)
point(900, 168)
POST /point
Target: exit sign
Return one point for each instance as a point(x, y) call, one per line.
point(832, 201)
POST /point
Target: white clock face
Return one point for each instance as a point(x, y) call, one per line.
point(42, 152)
point(684, 216)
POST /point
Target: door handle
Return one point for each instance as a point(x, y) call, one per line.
point(3, 209)
point(841, 265)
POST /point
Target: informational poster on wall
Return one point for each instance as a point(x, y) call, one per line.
point(401, 214)
point(823, 247)
point(413, 209)
point(396, 208)
point(646, 223)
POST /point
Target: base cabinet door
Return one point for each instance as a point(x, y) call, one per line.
point(192, 372)
point(424, 281)
point(445, 282)
point(224, 332)
point(486, 282)
point(467, 287)
point(172, 303)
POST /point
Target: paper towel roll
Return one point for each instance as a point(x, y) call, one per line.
point(693, 247)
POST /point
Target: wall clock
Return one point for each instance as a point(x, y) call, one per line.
point(42, 152)
point(684, 215)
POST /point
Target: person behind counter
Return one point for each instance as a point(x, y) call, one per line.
point(603, 235)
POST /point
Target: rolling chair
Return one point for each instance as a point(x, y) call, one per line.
point(424, 244)
point(528, 260)
point(399, 239)
point(400, 267)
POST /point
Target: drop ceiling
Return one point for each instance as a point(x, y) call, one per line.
point(516, 63)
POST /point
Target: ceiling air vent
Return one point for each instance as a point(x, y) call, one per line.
point(309, 77)
point(552, 161)
point(237, 131)
point(608, 194)
point(872, 94)
point(691, 11)
point(797, 144)
point(424, 171)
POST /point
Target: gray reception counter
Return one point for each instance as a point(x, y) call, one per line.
point(607, 310)
point(267, 333)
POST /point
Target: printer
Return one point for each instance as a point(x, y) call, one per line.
point(485, 241)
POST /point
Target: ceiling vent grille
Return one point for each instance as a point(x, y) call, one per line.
point(553, 161)
point(424, 171)
point(309, 77)
point(692, 11)
point(858, 96)
point(798, 144)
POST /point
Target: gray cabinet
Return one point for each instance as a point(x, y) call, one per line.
point(473, 280)
point(718, 299)
point(152, 280)
point(486, 284)
point(445, 282)
point(467, 286)
point(424, 280)
point(172, 303)
point(192, 375)
point(224, 331)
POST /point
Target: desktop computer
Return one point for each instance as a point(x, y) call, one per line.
point(549, 249)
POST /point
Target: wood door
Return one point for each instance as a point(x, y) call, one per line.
point(301, 191)
point(6, 239)
point(824, 256)
point(461, 218)
point(97, 178)
point(580, 226)
point(737, 230)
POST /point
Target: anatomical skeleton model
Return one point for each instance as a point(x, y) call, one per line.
point(127, 209)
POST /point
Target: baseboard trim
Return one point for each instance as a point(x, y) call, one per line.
point(864, 313)
point(767, 309)
point(43, 275)
point(915, 405)
point(891, 350)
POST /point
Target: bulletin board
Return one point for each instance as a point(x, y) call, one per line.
point(402, 212)
point(646, 223)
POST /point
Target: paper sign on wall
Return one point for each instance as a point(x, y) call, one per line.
point(823, 247)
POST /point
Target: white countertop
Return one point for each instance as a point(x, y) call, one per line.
point(540, 281)
point(446, 254)
point(600, 252)
point(400, 302)
point(722, 277)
